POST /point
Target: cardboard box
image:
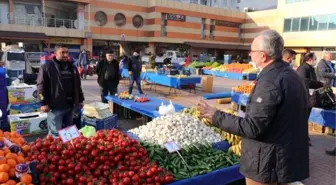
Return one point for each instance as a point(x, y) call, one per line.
point(29, 123)
point(207, 83)
point(22, 94)
point(24, 108)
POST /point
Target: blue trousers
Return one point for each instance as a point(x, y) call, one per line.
point(137, 80)
point(58, 119)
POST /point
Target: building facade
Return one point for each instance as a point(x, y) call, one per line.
point(159, 25)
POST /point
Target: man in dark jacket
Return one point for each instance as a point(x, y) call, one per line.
point(274, 129)
point(134, 71)
point(307, 72)
point(108, 75)
point(83, 62)
point(326, 70)
point(289, 56)
point(60, 90)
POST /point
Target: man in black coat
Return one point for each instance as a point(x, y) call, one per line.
point(60, 91)
point(289, 56)
point(274, 130)
point(326, 70)
point(108, 75)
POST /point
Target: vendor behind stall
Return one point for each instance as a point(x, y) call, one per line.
point(108, 75)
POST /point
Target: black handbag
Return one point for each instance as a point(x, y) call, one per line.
point(325, 98)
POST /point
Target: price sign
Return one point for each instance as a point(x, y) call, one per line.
point(172, 147)
point(69, 133)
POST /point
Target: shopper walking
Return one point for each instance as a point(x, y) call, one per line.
point(83, 63)
point(326, 70)
point(274, 130)
point(60, 90)
point(134, 71)
point(108, 75)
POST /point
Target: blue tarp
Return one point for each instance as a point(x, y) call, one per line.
point(171, 81)
point(147, 108)
point(217, 95)
point(218, 177)
point(238, 76)
point(239, 98)
point(323, 117)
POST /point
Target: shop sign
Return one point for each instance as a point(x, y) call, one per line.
point(122, 37)
point(70, 41)
point(176, 17)
point(228, 24)
point(329, 49)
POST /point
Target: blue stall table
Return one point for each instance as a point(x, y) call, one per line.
point(231, 75)
point(218, 177)
point(146, 108)
point(171, 81)
point(239, 98)
point(323, 117)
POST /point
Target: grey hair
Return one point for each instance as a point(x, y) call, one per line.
point(272, 43)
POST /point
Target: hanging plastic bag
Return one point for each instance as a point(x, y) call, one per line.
point(170, 108)
point(88, 131)
point(162, 109)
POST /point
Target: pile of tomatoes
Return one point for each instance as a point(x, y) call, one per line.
point(110, 157)
point(141, 99)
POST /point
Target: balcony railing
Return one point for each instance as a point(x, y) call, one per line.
point(47, 22)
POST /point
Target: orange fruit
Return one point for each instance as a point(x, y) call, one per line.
point(7, 134)
point(1, 133)
point(11, 182)
point(4, 168)
point(11, 163)
point(11, 156)
point(3, 160)
point(20, 159)
point(12, 172)
point(4, 177)
point(2, 153)
point(26, 148)
point(6, 150)
point(26, 178)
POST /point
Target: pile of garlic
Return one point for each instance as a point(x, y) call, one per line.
point(182, 129)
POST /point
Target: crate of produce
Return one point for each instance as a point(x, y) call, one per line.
point(100, 124)
point(29, 123)
point(22, 94)
point(97, 110)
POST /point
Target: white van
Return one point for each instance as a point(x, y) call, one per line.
point(14, 57)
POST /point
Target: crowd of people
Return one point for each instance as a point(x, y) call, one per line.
point(275, 145)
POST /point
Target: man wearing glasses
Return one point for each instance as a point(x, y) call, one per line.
point(274, 130)
point(60, 91)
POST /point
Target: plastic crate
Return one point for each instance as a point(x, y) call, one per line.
point(100, 124)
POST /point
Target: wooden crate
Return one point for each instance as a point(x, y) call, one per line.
point(316, 128)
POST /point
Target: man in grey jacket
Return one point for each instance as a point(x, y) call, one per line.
point(83, 62)
point(326, 70)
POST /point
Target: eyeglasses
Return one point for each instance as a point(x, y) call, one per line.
point(253, 51)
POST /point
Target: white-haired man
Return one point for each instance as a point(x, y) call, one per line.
point(134, 71)
point(275, 147)
point(326, 70)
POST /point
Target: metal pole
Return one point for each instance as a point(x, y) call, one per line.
point(89, 17)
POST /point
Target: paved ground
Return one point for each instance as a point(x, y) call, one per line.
point(322, 167)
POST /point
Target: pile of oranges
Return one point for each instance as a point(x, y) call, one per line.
point(244, 89)
point(9, 160)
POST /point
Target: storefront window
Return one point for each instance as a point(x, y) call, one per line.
point(120, 19)
point(287, 25)
point(323, 22)
point(304, 24)
point(296, 24)
point(313, 23)
point(332, 22)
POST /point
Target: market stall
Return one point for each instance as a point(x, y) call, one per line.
point(149, 109)
point(231, 75)
point(172, 81)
